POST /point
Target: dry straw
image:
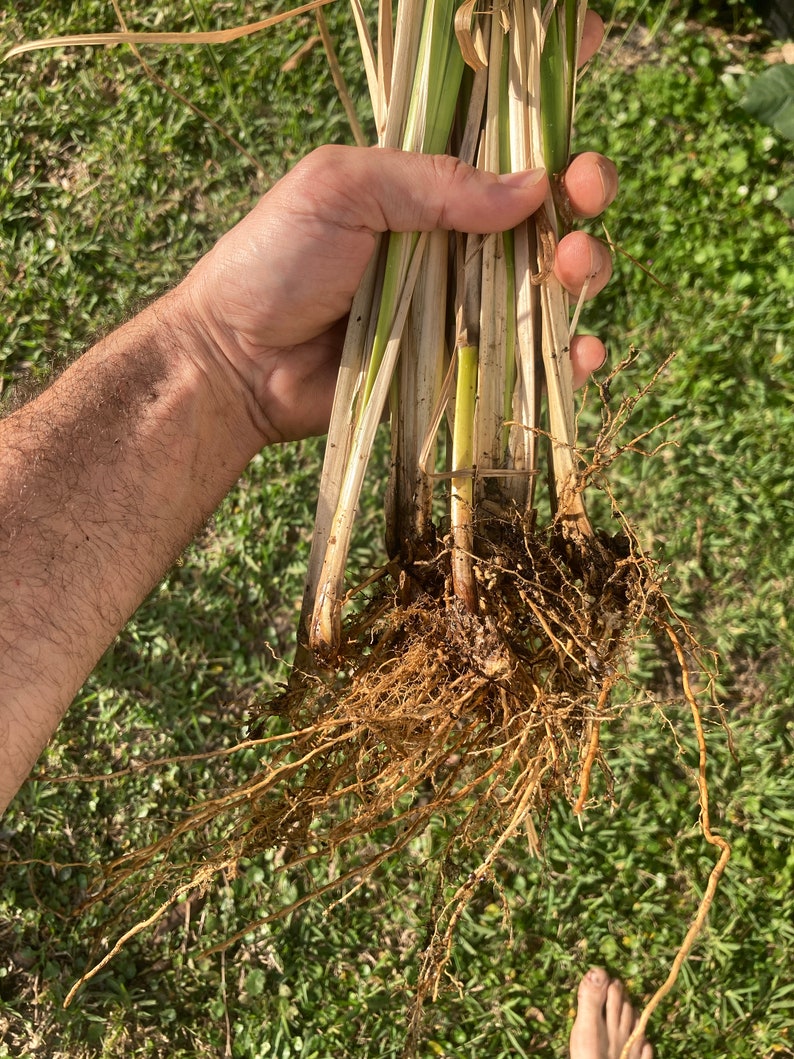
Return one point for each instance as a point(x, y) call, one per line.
point(468, 680)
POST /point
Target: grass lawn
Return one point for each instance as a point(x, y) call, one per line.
point(110, 189)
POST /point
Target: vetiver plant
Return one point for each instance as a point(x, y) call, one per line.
point(497, 638)
point(472, 675)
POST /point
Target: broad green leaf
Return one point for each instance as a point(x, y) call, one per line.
point(770, 99)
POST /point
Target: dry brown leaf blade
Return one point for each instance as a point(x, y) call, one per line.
point(471, 48)
point(221, 36)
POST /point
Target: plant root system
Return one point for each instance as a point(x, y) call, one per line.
point(434, 715)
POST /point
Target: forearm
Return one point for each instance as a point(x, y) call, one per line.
point(104, 479)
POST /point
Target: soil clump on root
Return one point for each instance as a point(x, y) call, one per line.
point(433, 715)
point(427, 693)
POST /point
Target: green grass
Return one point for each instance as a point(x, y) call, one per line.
point(110, 190)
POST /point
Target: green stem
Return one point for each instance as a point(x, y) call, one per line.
point(556, 91)
point(505, 166)
point(437, 80)
point(398, 260)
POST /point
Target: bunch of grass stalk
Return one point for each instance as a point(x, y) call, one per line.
point(466, 681)
point(459, 335)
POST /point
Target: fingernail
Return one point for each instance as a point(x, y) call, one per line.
point(608, 175)
point(528, 178)
point(599, 259)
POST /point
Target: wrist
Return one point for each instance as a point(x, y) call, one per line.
point(182, 333)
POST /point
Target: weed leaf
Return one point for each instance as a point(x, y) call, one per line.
point(770, 99)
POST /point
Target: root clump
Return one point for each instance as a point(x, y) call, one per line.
point(466, 723)
point(477, 717)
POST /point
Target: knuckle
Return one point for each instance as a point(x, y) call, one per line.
point(451, 175)
point(317, 166)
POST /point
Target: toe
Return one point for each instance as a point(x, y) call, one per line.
point(627, 1019)
point(588, 1035)
point(614, 1010)
point(593, 990)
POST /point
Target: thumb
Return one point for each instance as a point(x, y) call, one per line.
point(381, 189)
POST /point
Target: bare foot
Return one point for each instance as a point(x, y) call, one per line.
point(604, 1020)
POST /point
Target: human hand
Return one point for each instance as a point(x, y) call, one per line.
point(273, 295)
